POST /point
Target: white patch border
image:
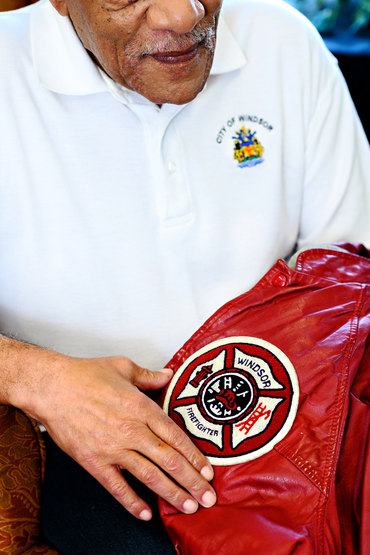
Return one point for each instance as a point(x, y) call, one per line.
point(282, 357)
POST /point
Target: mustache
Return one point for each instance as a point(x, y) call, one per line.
point(169, 41)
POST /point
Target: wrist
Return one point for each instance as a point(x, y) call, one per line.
point(24, 370)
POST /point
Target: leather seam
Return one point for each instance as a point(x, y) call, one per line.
point(302, 466)
point(333, 446)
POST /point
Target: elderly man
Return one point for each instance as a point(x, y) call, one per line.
point(147, 176)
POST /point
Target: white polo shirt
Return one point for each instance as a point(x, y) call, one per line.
point(124, 226)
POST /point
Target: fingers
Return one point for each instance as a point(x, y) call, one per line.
point(113, 481)
point(175, 479)
point(166, 429)
point(179, 467)
point(147, 380)
point(153, 477)
point(171, 466)
point(143, 378)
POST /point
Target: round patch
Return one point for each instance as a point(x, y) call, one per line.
point(236, 397)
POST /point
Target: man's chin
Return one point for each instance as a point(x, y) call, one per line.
point(168, 96)
point(171, 83)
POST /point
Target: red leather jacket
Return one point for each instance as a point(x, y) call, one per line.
point(275, 389)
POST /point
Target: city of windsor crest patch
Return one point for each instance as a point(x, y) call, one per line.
point(248, 151)
point(236, 397)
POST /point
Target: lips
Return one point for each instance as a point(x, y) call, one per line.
point(177, 57)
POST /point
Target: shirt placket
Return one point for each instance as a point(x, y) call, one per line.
point(165, 156)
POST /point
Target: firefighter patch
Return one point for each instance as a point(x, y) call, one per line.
point(236, 397)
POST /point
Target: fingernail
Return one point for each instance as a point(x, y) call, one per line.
point(145, 515)
point(190, 506)
point(166, 371)
point(209, 499)
point(207, 473)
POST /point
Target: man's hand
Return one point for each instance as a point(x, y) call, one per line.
point(96, 412)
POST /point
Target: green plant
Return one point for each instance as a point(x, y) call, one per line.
point(328, 14)
point(361, 15)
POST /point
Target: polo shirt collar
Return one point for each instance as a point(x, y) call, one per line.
point(228, 54)
point(63, 65)
point(61, 62)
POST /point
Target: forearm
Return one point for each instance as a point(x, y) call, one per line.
point(23, 373)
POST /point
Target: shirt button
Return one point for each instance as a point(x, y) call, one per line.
point(171, 166)
point(279, 280)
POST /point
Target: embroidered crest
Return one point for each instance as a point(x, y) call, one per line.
point(248, 151)
point(236, 397)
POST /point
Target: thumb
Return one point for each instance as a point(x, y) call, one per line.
point(147, 380)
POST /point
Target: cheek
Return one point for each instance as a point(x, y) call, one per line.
point(129, 54)
point(109, 43)
point(102, 32)
point(132, 70)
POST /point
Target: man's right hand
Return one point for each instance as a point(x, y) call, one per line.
point(96, 411)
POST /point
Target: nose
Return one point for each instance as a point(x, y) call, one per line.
point(179, 16)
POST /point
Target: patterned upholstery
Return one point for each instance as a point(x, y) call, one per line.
point(7, 5)
point(22, 460)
